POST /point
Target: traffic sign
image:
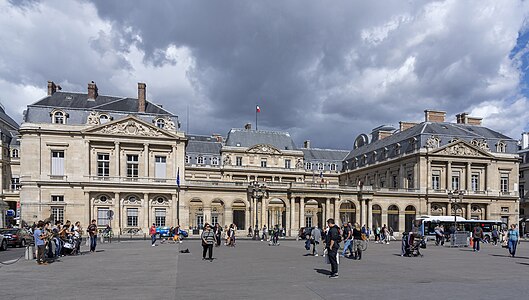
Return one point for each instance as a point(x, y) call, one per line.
point(10, 213)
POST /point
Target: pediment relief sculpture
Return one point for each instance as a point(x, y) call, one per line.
point(130, 127)
point(264, 149)
point(460, 150)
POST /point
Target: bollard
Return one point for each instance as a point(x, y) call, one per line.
point(30, 252)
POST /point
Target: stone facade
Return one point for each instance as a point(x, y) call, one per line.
point(9, 168)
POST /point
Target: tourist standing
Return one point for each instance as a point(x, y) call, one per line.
point(40, 241)
point(152, 233)
point(208, 239)
point(77, 233)
point(513, 235)
point(264, 235)
point(218, 233)
point(332, 243)
point(477, 236)
point(357, 242)
point(92, 231)
point(315, 236)
point(495, 236)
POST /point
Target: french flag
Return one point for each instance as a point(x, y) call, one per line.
point(257, 109)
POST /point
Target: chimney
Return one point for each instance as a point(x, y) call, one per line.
point(248, 126)
point(382, 132)
point(474, 121)
point(306, 144)
point(141, 96)
point(52, 88)
point(525, 140)
point(92, 91)
point(434, 116)
point(464, 118)
point(406, 125)
point(218, 138)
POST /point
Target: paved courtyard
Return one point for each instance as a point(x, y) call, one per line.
point(254, 270)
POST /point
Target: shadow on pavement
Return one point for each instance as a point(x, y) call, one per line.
point(322, 271)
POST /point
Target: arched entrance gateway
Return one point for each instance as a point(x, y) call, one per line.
point(410, 214)
point(312, 214)
point(393, 217)
point(277, 213)
point(348, 212)
point(217, 212)
point(196, 214)
point(239, 214)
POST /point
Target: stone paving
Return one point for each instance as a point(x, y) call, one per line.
point(254, 270)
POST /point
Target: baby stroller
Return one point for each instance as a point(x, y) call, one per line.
point(412, 244)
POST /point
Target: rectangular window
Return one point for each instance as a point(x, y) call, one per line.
point(263, 163)
point(455, 181)
point(214, 219)
point(200, 221)
point(395, 181)
point(382, 182)
point(321, 166)
point(409, 180)
point(238, 161)
point(200, 160)
point(160, 166)
point(103, 164)
point(132, 217)
point(15, 184)
point(436, 181)
point(57, 163)
point(308, 166)
point(474, 182)
point(102, 216)
point(215, 161)
point(132, 165)
point(187, 159)
point(57, 198)
point(521, 190)
point(333, 167)
point(287, 163)
point(504, 183)
point(57, 214)
point(159, 217)
point(308, 221)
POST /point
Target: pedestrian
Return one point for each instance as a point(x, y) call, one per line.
point(495, 236)
point(218, 234)
point(357, 242)
point(232, 235)
point(152, 233)
point(208, 239)
point(92, 232)
point(264, 236)
point(226, 235)
point(77, 231)
point(348, 239)
point(250, 231)
point(256, 233)
point(315, 236)
point(40, 241)
point(477, 236)
point(332, 243)
point(442, 231)
point(275, 236)
point(513, 235)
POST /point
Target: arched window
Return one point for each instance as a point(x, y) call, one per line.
point(14, 153)
point(160, 123)
point(410, 217)
point(501, 147)
point(321, 166)
point(200, 160)
point(393, 217)
point(215, 161)
point(59, 117)
point(333, 167)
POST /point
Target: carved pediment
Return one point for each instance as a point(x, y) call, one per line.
point(263, 149)
point(130, 126)
point(461, 148)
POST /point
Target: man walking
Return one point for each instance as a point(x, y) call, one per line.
point(332, 243)
point(152, 233)
point(477, 236)
point(348, 238)
point(315, 236)
point(264, 236)
point(40, 236)
point(208, 238)
point(92, 232)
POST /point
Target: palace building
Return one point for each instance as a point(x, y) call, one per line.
point(9, 168)
point(125, 162)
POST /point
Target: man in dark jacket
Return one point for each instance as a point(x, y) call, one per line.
point(332, 242)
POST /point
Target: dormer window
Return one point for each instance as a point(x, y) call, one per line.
point(187, 159)
point(321, 166)
point(104, 118)
point(501, 147)
point(160, 123)
point(215, 161)
point(200, 160)
point(333, 167)
point(14, 153)
point(59, 117)
point(397, 149)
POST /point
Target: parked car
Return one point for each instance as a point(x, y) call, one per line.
point(163, 231)
point(17, 237)
point(183, 234)
point(3, 243)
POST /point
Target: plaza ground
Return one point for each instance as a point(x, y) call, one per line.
point(254, 270)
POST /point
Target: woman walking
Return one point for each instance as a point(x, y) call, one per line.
point(208, 239)
point(357, 242)
point(513, 236)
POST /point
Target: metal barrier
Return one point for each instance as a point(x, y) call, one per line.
point(460, 239)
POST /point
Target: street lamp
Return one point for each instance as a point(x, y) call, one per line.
point(257, 191)
point(454, 197)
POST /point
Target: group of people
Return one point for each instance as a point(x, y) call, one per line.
point(213, 235)
point(174, 235)
point(61, 239)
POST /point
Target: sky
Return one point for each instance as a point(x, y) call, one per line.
point(322, 72)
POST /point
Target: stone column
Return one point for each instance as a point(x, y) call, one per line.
point(469, 176)
point(247, 217)
point(253, 212)
point(428, 208)
point(264, 213)
point(384, 219)
point(207, 214)
point(174, 219)
point(363, 211)
point(449, 209)
point(288, 226)
point(293, 228)
point(118, 215)
point(328, 209)
point(146, 157)
point(117, 154)
point(301, 212)
point(468, 211)
point(487, 211)
point(449, 175)
point(175, 163)
point(402, 222)
point(336, 209)
point(323, 211)
point(88, 161)
point(369, 210)
point(146, 213)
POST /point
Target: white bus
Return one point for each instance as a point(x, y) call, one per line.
point(428, 224)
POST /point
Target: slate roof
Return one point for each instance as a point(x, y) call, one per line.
point(248, 138)
point(463, 131)
point(315, 154)
point(7, 119)
point(102, 102)
point(202, 145)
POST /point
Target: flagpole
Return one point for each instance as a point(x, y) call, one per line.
point(256, 117)
point(178, 197)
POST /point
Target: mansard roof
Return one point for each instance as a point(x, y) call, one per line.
point(203, 145)
point(102, 102)
point(5, 118)
point(248, 138)
point(316, 154)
